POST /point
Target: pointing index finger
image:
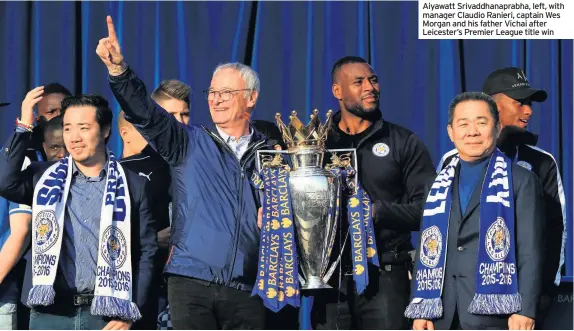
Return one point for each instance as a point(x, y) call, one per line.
point(111, 29)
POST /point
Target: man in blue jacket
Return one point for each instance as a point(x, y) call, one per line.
point(213, 257)
point(94, 242)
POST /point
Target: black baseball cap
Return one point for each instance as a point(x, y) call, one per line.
point(2, 104)
point(513, 83)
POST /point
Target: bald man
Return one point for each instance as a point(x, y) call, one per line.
point(134, 143)
point(139, 157)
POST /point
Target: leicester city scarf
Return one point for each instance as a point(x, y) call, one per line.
point(496, 291)
point(113, 288)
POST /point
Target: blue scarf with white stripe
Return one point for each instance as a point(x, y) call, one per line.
point(496, 291)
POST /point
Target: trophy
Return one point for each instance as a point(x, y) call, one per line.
point(315, 193)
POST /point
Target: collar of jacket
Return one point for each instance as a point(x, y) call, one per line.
point(257, 136)
point(511, 137)
point(335, 132)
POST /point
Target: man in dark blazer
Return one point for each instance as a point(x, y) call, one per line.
point(473, 127)
point(87, 123)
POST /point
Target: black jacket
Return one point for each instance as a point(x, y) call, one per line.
point(518, 145)
point(35, 151)
point(394, 166)
point(149, 165)
point(270, 130)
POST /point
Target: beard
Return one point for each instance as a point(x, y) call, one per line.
point(358, 110)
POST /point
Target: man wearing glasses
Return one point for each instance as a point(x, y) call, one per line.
point(214, 245)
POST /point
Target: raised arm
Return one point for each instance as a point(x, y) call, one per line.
point(169, 138)
point(17, 185)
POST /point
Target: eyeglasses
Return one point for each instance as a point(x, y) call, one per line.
point(225, 95)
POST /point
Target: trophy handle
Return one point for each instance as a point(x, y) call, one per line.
point(259, 163)
point(331, 270)
point(353, 151)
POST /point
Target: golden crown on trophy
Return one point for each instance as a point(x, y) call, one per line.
point(297, 134)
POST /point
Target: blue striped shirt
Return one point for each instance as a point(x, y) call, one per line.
point(79, 255)
point(238, 146)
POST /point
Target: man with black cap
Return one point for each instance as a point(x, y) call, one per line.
point(513, 94)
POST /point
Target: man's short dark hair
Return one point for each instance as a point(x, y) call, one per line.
point(473, 96)
point(104, 114)
point(172, 89)
point(56, 88)
point(345, 60)
point(56, 123)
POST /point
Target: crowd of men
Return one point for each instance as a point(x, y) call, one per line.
point(167, 235)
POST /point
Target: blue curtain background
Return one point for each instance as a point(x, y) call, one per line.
point(293, 46)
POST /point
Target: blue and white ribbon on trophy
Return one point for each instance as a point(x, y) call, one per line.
point(277, 283)
point(361, 230)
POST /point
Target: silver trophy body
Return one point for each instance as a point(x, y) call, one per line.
point(314, 200)
point(314, 194)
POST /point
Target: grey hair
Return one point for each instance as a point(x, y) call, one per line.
point(250, 76)
point(473, 96)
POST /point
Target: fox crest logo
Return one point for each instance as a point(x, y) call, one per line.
point(498, 240)
point(47, 230)
point(431, 246)
point(381, 149)
point(114, 247)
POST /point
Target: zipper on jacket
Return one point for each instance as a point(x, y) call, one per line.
point(368, 136)
point(250, 151)
point(362, 141)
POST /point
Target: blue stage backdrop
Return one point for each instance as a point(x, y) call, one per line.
point(293, 46)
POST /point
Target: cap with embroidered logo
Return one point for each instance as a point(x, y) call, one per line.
point(512, 82)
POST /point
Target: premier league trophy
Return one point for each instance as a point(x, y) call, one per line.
point(315, 193)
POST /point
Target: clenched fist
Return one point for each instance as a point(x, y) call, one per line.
point(110, 52)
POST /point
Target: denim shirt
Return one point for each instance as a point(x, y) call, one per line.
point(79, 255)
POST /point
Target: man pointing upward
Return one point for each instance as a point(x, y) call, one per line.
point(214, 248)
